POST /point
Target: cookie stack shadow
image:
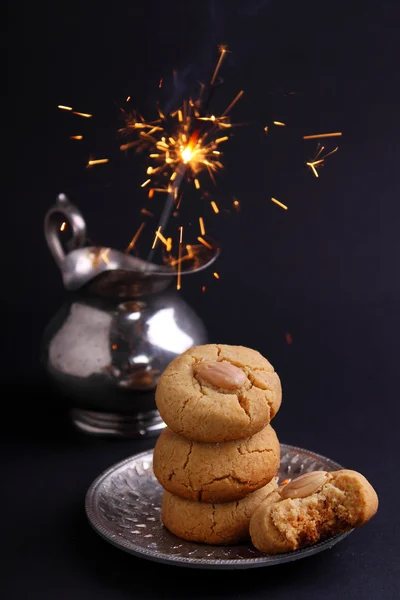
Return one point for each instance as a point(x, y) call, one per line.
point(218, 457)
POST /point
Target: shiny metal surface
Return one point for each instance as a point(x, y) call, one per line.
point(124, 507)
point(105, 270)
point(106, 347)
point(118, 425)
point(107, 355)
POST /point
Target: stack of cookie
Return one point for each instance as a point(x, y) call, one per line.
point(218, 457)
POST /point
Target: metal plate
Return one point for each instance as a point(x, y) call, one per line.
point(124, 506)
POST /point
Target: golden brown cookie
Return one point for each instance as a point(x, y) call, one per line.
point(216, 472)
point(218, 393)
point(220, 524)
point(311, 508)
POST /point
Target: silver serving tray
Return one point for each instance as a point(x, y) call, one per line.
point(124, 506)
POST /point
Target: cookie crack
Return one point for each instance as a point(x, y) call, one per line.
point(250, 376)
point(182, 408)
point(226, 477)
point(268, 401)
point(243, 366)
point(188, 456)
point(240, 401)
point(171, 475)
point(244, 452)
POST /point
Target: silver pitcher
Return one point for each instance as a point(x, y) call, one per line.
point(106, 347)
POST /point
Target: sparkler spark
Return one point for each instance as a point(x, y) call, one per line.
point(144, 211)
point(279, 203)
point(156, 238)
point(223, 50)
point(232, 104)
point(322, 135)
point(279, 124)
point(204, 242)
point(202, 228)
point(63, 226)
point(178, 279)
point(162, 238)
point(74, 112)
point(98, 161)
point(236, 204)
point(214, 207)
point(104, 255)
point(85, 115)
point(135, 238)
point(318, 159)
point(76, 137)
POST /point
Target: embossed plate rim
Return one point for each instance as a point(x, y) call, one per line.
point(91, 502)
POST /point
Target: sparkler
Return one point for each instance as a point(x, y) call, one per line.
point(180, 146)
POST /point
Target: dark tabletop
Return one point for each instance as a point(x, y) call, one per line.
point(326, 271)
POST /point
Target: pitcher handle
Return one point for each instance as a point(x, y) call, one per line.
point(75, 220)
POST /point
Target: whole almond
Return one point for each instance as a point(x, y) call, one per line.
point(305, 485)
point(221, 374)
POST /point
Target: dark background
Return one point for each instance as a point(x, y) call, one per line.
point(326, 271)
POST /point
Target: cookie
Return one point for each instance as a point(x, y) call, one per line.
point(216, 472)
point(219, 524)
point(311, 508)
point(217, 393)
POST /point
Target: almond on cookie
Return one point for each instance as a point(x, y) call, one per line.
point(311, 508)
point(218, 393)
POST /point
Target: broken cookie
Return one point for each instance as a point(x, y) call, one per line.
point(311, 508)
